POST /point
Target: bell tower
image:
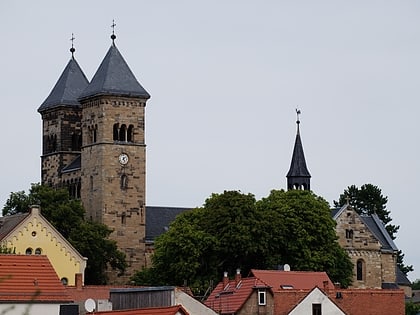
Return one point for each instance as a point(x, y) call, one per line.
point(298, 176)
point(113, 155)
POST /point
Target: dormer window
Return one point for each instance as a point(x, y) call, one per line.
point(262, 297)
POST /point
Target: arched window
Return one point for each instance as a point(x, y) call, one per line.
point(64, 281)
point(94, 133)
point(28, 251)
point(115, 132)
point(360, 266)
point(123, 132)
point(130, 133)
point(38, 251)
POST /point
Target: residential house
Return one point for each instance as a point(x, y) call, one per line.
point(30, 285)
point(31, 234)
point(273, 292)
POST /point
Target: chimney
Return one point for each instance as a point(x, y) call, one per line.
point(238, 277)
point(79, 281)
point(225, 279)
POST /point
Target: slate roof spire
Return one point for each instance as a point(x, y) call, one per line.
point(114, 77)
point(298, 176)
point(69, 86)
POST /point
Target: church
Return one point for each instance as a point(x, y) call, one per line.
point(93, 144)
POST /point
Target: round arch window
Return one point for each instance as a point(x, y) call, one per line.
point(38, 251)
point(64, 281)
point(28, 251)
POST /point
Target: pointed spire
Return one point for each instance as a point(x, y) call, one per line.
point(114, 77)
point(298, 176)
point(69, 86)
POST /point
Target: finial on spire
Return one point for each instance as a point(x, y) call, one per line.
point(298, 120)
point(72, 49)
point(113, 37)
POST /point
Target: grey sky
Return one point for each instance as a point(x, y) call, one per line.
point(225, 79)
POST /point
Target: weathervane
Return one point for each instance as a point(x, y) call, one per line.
point(113, 37)
point(297, 114)
point(72, 50)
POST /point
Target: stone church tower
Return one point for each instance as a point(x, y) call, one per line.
point(94, 144)
point(298, 176)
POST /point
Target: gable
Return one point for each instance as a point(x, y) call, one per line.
point(352, 231)
point(34, 235)
point(316, 296)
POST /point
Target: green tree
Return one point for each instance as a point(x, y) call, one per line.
point(66, 214)
point(368, 200)
point(232, 230)
point(416, 284)
point(411, 308)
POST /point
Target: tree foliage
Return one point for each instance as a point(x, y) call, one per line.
point(368, 200)
point(232, 230)
point(91, 239)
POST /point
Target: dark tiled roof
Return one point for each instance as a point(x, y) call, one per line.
point(9, 222)
point(401, 277)
point(30, 278)
point(298, 165)
point(376, 226)
point(114, 77)
point(73, 166)
point(67, 89)
point(158, 220)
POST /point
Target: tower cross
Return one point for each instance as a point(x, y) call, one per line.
point(113, 37)
point(72, 50)
point(298, 112)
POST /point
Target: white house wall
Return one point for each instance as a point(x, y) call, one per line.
point(316, 296)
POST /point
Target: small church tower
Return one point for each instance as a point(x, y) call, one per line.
point(113, 155)
point(298, 176)
point(61, 129)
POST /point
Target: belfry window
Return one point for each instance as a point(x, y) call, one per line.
point(130, 133)
point(349, 233)
point(123, 133)
point(124, 182)
point(115, 132)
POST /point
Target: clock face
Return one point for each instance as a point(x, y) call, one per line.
point(123, 158)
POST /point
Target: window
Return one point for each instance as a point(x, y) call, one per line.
point(130, 133)
point(28, 251)
point(38, 251)
point(261, 297)
point(360, 266)
point(64, 281)
point(123, 133)
point(316, 309)
point(115, 132)
point(349, 233)
point(124, 182)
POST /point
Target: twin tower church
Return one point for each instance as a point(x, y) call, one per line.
point(94, 145)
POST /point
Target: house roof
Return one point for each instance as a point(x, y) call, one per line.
point(114, 77)
point(74, 165)
point(376, 226)
point(67, 89)
point(158, 220)
point(30, 278)
point(299, 280)
point(171, 310)
point(229, 299)
point(9, 222)
point(401, 277)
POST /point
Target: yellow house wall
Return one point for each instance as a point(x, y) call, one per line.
point(35, 232)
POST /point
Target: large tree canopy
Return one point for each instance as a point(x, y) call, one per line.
point(368, 199)
point(232, 230)
point(67, 216)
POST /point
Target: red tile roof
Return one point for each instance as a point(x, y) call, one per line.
point(171, 310)
point(299, 280)
point(230, 298)
point(30, 278)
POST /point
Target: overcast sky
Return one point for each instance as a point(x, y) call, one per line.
point(225, 79)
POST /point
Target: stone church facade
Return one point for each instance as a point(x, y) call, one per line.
point(94, 145)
